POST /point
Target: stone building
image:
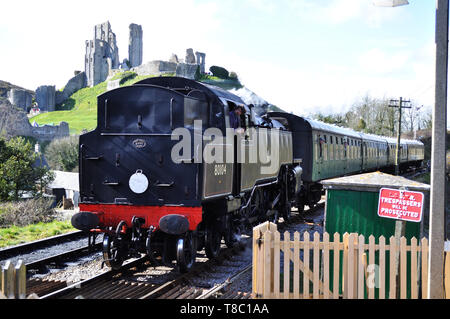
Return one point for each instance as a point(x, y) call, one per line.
point(102, 54)
point(104, 33)
point(190, 57)
point(14, 122)
point(45, 98)
point(201, 60)
point(20, 98)
point(135, 47)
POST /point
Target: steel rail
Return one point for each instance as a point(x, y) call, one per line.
point(37, 244)
point(93, 280)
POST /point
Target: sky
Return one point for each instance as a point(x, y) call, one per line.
point(304, 56)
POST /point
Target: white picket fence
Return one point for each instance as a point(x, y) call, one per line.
point(348, 268)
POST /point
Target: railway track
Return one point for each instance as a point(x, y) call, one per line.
point(21, 249)
point(38, 254)
point(137, 279)
point(127, 283)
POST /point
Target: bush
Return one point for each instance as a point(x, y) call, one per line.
point(62, 154)
point(219, 71)
point(26, 212)
point(18, 172)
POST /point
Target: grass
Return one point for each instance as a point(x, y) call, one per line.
point(425, 178)
point(80, 110)
point(16, 235)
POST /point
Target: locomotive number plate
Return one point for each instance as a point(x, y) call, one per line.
point(139, 143)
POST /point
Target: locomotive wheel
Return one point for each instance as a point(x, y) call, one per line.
point(186, 252)
point(212, 242)
point(113, 253)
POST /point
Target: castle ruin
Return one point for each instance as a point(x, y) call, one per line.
point(135, 47)
point(102, 54)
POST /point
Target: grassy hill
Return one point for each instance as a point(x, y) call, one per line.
point(80, 110)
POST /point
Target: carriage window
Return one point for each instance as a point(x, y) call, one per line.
point(320, 141)
point(195, 109)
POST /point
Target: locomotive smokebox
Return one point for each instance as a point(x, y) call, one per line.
point(174, 224)
point(85, 221)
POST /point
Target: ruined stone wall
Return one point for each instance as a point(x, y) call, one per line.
point(201, 60)
point(14, 122)
point(20, 98)
point(135, 48)
point(155, 67)
point(104, 32)
point(102, 54)
point(98, 61)
point(45, 97)
point(50, 132)
point(79, 81)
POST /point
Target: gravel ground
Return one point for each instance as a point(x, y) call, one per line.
point(82, 269)
point(90, 266)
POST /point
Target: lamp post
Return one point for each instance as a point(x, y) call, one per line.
point(435, 287)
point(438, 157)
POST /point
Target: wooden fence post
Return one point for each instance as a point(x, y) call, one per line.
point(414, 294)
point(447, 275)
point(276, 266)
point(8, 280)
point(306, 269)
point(361, 267)
point(382, 268)
point(392, 265)
point(424, 277)
point(13, 280)
point(20, 274)
point(296, 272)
point(267, 263)
point(371, 293)
point(326, 266)
point(345, 266)
point(336, 266)
point(259, 269)
point(316, 264)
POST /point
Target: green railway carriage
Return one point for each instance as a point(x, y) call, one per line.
point(328, 151)
point(415, 152)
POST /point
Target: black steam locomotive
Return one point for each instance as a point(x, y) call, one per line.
point(164, 174)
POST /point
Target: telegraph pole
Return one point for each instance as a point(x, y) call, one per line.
point(401, 104)
point(400, 225)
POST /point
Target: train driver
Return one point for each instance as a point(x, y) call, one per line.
point(235, 118)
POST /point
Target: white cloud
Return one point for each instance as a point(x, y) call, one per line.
point(343, 11)
point(377, 61)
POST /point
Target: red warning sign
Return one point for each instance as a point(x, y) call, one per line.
point(400, 204)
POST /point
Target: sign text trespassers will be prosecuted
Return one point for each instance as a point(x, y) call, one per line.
point(400, 204)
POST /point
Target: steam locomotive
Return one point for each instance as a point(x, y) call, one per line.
point(165, 175)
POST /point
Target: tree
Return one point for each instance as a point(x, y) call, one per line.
point(219, 71)
point(62, 154)
point(17, 170)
